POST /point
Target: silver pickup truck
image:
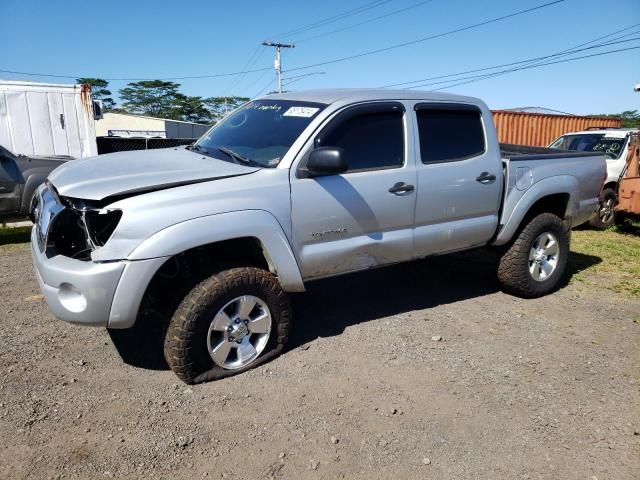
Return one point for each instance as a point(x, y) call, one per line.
point(288, 189)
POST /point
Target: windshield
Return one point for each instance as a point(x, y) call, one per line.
point(592, 142)
point(260, 133)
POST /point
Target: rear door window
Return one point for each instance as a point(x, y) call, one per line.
point(449, 133)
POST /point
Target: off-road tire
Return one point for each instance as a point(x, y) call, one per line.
point(185, 346)
point(513, 269)
point(596, 221)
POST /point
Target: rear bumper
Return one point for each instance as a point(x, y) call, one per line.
point(94, 294)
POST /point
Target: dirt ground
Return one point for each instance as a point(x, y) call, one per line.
point(423, 370)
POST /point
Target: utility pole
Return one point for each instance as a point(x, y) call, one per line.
point(277, 63)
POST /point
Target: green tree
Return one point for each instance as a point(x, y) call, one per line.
point(155, 98)
point(220, 106)
point(99, 91)
point(190, 109)
point(630, 118)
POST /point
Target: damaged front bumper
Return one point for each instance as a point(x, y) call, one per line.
point(77, 289)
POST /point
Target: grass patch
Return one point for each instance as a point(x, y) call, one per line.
point(12, 236)
point(609, 259)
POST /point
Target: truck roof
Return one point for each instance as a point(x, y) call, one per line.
point(610, 132)
point(333, 95)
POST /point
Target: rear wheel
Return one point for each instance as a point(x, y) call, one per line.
point(535, 261)
point(605, 216)
point(226, 324)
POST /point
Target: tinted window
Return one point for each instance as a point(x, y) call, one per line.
point(8, 172)
point(448, 135)
point(4, 174)
point(374, 140)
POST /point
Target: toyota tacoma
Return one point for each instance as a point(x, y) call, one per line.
point(288, 189)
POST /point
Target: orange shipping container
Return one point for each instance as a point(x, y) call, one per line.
point(539, 129)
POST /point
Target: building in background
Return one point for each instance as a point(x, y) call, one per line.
point(141, 126)
point(46, 119)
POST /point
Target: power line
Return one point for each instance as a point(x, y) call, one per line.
point(320, 23)
point(573, 49)
point(187, 77)
point(380, 17)
point(493, 67)
point(303, 75)
point(238, 78)
point(333, 18)
point(515, 69)
point(431, 37)
point(297, 78)
point(564, 53)
point(265, 87)
point(482, 77)
point(260, 77)
point(337, 60)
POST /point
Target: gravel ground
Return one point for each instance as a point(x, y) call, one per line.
point(423, 370)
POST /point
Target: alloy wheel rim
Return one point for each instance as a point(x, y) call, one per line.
point(239, 332)
point(606, 210)
point(543, 257)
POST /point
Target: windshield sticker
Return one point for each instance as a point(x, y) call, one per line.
point(263, 107)
point(305, 112)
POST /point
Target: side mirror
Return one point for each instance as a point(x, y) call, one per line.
point(326, 161)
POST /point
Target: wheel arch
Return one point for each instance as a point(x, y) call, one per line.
point(555, 195)
point(32, 182)
point(257, 229)
point(235, 239)
point(613, 185)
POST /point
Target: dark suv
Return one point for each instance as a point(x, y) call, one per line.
point(19, 178)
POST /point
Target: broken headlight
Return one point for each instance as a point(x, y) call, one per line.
point(100, 225)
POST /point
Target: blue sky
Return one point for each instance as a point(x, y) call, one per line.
point(157, 39)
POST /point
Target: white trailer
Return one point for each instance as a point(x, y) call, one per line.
point(47, 119)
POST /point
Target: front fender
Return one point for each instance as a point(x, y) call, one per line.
point(515, 209)
point(227, 226)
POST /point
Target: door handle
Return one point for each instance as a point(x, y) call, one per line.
point(486, 177)
point(401, 187)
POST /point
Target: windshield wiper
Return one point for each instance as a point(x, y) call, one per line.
point(236, 156)
point(198, 148)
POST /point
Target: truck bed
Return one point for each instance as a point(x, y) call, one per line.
point(529, 168)
point(512, 151)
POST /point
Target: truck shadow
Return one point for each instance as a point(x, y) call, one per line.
point(330, 306)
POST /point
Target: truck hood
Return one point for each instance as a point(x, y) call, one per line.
point(130, 173)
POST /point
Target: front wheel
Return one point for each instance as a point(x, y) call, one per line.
point(535, 261)
point(605, 216)
point(227, 324)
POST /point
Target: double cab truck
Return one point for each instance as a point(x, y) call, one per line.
point(291, 188)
